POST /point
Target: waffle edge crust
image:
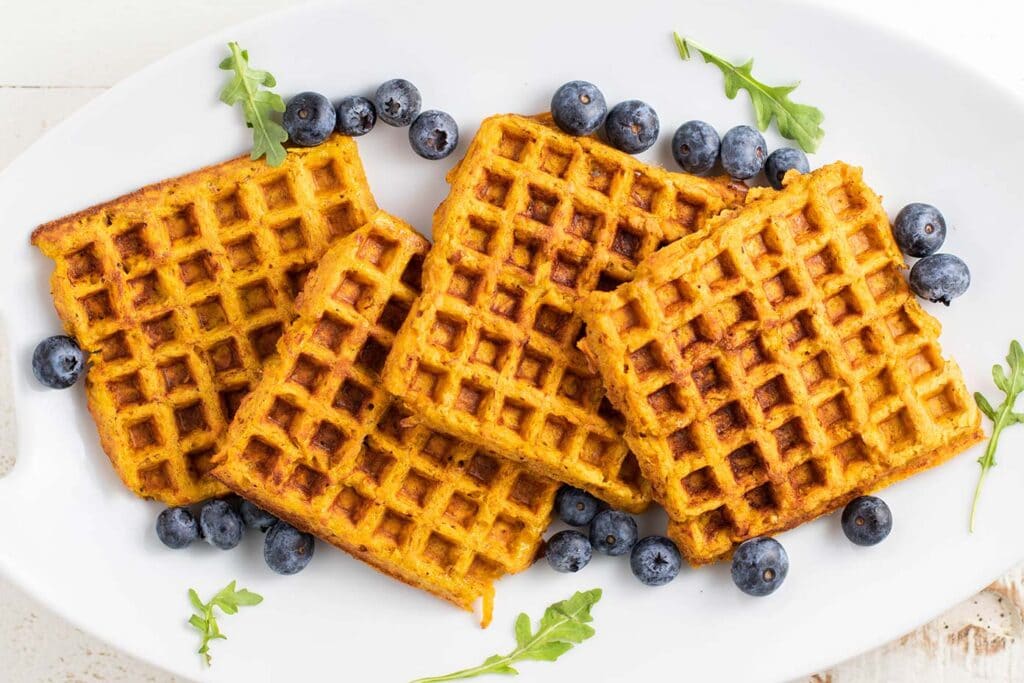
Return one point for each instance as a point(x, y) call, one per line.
point(535, 220)
point(179, 292)
point(779, 368)
point(321, 444)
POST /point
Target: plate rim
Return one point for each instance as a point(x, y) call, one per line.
point(839, 11)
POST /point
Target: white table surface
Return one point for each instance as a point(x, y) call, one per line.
point(55, 55)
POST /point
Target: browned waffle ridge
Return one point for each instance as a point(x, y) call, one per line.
point(536, 219)
point(321, 444)
point(780, 368)
point(180, 291)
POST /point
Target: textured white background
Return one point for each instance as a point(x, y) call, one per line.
point(55, 55)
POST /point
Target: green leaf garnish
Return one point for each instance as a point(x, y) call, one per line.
point(1003, 416)
point(205, 621)
point(258, 105)
point(563, 625)
point(799, 122)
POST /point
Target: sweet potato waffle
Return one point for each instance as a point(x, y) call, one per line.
point(780, 368)
point(535, 220)
point(180, 291)
point(318, 442)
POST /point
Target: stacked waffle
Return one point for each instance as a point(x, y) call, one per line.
point(416, 406)
point(535, 221)
point(180, 291)
point(780, 367)
point(320, 444)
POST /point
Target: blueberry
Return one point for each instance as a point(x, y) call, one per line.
point(613, 532)
point(286, 549)
point(940, 278)
point(58, 361)
point(632, 126)
point(397, 101)
point(919, 229)
point(434, 134)
point(780, 161)
point(575, 506)
point(743, 152)
point(695, 146)
point(759, 566)
point(309, 118)
point(578, 108)
point(221, 526)
point(176, 527)
point(867, 520)
point(655, 560)
point(256, 517)
point(568, 551)
point(355, 116)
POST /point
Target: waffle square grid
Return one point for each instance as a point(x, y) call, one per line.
point(535, 220)
point(780, 368)
point(180, 292)
point(321, 444)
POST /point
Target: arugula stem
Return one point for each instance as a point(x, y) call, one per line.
point(465, 673)
point(250, 96)
point(205, 621)
point(1011, 385)
point(496, 665)
point(988, 460)
point(239, 59)
point(246, 88)
point(683, 45)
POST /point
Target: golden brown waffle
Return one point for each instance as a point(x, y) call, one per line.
point(180, 291)
point(536, 219)
point(780, 368)
point(319, 442)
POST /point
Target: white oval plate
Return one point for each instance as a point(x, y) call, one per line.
point(924, 128)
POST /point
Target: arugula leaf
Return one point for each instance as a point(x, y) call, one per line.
point(564, 625)
point(800, 122)
point(258, 105)
point(1003, 416)
point(205, 621)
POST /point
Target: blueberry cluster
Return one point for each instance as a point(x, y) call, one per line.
point(920, 230)
point(759, 565)
point(310, 118)
point(579, 108)
point(742, 153)
point(222, 524)
point(655, 560)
